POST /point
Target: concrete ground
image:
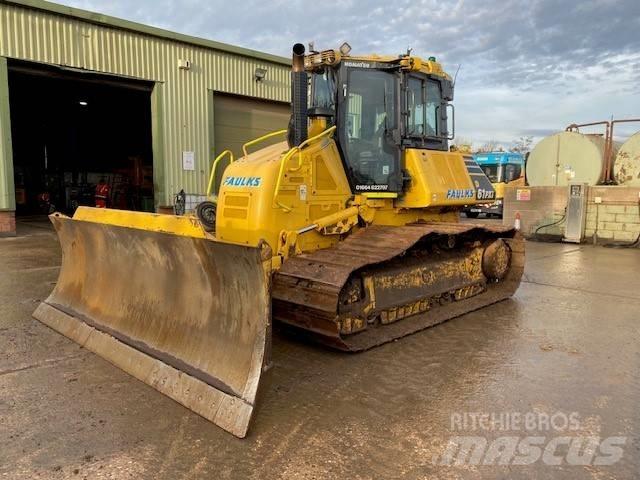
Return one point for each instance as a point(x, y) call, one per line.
point(567, 346)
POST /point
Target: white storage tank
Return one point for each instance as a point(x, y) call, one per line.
point(626, 167)
point(567, 157)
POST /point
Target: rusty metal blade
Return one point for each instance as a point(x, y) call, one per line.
point(188, 316)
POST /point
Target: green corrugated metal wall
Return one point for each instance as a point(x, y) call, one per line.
point(182, 111)
point(7, 191)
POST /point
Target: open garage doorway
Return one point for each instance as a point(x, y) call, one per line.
point(79, 139)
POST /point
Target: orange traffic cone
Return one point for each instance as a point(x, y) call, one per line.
point(516, 223)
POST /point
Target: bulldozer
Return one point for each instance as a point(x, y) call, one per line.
point(345, 232)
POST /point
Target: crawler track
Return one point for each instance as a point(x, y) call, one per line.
point(309, 290)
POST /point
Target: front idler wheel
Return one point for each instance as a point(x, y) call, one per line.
point(496, 260)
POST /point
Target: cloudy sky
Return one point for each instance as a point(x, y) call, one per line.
point(528, 67)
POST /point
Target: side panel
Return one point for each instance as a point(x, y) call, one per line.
point(437, 179)
point(313, 185)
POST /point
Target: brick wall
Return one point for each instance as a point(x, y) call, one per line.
point(616, 217)
point(7, 223)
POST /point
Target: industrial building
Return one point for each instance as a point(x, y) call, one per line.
point(88, 99)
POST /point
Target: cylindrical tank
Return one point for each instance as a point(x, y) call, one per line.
point(626, 167)
point(567, 157)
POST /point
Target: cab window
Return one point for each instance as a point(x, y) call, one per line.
point(512, 172)
point(323, 90)
point(423, 99)
point(492, 172)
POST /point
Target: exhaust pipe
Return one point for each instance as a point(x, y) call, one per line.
point(298, 132)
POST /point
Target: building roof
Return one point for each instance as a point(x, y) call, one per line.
point(113, 22)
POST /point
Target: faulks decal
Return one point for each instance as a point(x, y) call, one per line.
point(460, 193)
point(242, 181)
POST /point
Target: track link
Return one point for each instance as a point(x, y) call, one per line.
point(310, 290)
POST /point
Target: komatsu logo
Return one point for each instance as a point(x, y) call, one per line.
point(460, 193)
point(242, 181)
point(357, 64)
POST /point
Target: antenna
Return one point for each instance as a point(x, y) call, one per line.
point(456, 75)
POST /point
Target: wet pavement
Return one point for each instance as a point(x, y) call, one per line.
point(563, 354)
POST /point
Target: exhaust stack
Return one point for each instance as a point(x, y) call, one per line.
point(299, 81)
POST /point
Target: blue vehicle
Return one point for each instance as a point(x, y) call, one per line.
point(501, 168)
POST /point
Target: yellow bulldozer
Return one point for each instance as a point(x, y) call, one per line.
point(346, 232)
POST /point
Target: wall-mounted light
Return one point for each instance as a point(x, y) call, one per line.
point(259, 74)
point(84, 103)
point(184, 64)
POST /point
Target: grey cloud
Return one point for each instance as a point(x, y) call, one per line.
point(553, 50)
point(538, 132)
point(514, 38)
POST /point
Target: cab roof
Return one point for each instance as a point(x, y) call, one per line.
point(332, 58)
point(417, 64)
point(497, 158)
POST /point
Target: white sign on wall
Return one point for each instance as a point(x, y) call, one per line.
point(188, 160)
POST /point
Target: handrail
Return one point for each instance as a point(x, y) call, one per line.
point(212, 176)
point(289, 154)
point(261, 139)
point(575, 127)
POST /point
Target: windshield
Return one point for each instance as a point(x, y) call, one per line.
point(507, 172)
point(423, 98)
point(370, 119)
point(493, 172)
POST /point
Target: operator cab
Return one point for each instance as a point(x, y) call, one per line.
point(381, 107)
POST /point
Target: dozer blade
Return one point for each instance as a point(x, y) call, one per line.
point(187, 315)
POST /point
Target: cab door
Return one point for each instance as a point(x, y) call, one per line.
point(369, 118)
